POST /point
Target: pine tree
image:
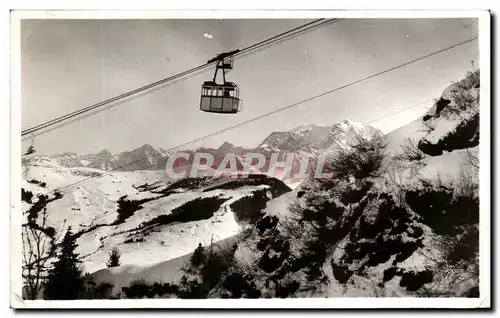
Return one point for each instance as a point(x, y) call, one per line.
point(198, 257)
point(65, 280)
point(114, 258)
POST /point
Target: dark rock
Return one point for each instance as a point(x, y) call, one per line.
point(390, 273)
point(441, 104)
point(341, 273)
point(289, 289)
point(267, 223)
point(473, 292)
point(413, 281)
point(416, 231)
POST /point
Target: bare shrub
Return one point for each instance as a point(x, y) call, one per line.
point(472, 80)
point(471, 158)
point(296, 210)
point(410, 157)
point(39, 248)
point(410, 152)
point(464, 95)
point(396, 180)
point(455, 266)
point(363, 159)
point(464, 100)
point(465, 184)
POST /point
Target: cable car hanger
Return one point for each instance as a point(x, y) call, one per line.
point(221, 98)
point(222, 56)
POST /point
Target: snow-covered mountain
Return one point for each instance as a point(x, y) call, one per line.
point(306, 137)
point(144, 158)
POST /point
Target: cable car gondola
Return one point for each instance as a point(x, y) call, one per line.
point(221, 98)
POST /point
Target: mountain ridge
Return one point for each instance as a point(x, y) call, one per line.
point(308, 138)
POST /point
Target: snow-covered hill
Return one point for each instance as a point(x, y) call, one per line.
point(125, 210)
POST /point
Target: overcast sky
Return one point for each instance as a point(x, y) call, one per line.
point(70, 64)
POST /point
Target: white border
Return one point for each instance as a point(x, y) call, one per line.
point(15, 221)
point(484, 159)
point(244, 14)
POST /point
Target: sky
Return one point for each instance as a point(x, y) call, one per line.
point(67, 65)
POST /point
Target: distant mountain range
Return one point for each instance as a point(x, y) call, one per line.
point(144, 158)
point(308, 139)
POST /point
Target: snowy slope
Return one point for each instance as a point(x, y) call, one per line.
point(83, 204)
point(165, 242)
point(90, 208)
point(169, 271)
point(447, 135)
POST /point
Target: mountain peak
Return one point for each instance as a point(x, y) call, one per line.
point(308, 128)
point(104, 153)
point(147, 146)
point(226, 146)
point(316, 136)
point(348, 124)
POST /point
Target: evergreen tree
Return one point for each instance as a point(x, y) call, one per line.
point(65, 280)
point(198, 257)
point(114, 258)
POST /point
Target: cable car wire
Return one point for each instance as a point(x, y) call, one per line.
point(273, 112)
point(115, 101)
point(66, 121)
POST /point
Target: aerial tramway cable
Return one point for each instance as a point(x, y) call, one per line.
point(147, 89)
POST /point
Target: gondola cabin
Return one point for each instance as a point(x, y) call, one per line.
point(222, 98)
